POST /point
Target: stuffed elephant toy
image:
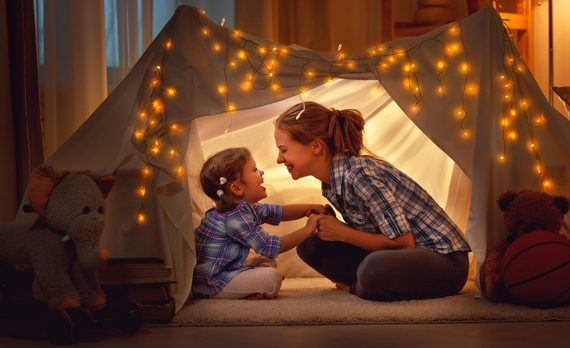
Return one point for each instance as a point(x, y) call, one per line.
point(62, 246)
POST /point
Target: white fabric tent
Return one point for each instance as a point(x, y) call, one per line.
point(438, 106)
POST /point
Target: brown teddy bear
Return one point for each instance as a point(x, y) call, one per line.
point(524, 211)
point(62, 247)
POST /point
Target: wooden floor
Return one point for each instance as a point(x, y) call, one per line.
point(452, 335)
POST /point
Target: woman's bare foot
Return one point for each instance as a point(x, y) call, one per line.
point(254, 297)
point(343, 286)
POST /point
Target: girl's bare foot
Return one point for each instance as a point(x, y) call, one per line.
point(343, 286)
point(254, 297)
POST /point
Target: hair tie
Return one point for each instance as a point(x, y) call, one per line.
point(220, 193)
point(223, 180)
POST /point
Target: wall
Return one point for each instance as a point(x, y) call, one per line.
point(561, 28)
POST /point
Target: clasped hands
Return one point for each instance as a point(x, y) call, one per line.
point(327, 226)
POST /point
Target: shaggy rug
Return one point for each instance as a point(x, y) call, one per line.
point(316, 301)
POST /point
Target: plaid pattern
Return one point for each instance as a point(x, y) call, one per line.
point(374, 196)
point(223, 242)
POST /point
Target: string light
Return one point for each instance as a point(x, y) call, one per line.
point(256, 67)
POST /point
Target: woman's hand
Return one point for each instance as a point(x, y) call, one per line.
point(331, 229)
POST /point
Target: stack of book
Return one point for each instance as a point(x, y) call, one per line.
point(146, 281)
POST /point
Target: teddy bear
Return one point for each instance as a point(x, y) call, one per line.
point(62, 246)
point(524, 211)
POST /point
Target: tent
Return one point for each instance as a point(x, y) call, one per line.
point(457, 109)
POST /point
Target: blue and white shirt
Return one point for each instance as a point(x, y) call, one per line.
point(374, 196)
point(223, 241)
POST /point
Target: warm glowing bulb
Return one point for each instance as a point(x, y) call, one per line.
point(440, 90)
point(464, 67)
point(501, 158)
point(142, 114)
point(222, 89)
point(157, 67)
point(507, 96)
point(539, 120)
point(440, 65)
point(217, 47)
point(146, 171)
point(180, 170)
point(547, 184)
point(512, 135)
point(241, 54)
point(262, 50)
point(505, 122)
point(172, 152)
point(538, 169)
point(174, 127)
point(138, 134)
point(171, 91)
point(205, 31)
point(231, 107)
point(466, 134)
point(246, 85)
point(141, 191)
point(502, 77)
point(513, 112)
point(274, 86)
point(168, 44)
point(157, 105)
point(524, 103)
point(154, 82)
point(141, 218)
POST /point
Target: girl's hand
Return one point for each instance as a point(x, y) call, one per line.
point(330, 228)
point(312, 222)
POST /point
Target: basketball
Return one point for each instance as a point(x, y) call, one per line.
point(536, 269)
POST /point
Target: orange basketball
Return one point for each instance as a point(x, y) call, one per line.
point(536, 269)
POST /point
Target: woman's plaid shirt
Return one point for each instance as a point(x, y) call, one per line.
point(223, 241)
point(374, 196)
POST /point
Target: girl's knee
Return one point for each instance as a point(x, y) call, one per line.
point(273, 284)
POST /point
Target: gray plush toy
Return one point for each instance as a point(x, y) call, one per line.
point(62, 246)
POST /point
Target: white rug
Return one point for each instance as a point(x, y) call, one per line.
point(315, 301)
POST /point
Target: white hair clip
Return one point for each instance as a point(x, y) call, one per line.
point(223, 180)
point(220, 193)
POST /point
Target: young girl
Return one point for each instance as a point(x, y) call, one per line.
point(396, 242)
point(228, 232)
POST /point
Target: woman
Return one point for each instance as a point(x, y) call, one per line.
point(396, 242)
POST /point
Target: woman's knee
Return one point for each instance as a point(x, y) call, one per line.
point(374, 278)
point(308, 249)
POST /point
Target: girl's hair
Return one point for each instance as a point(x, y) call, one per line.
point(227, 164)
point(341, 130)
